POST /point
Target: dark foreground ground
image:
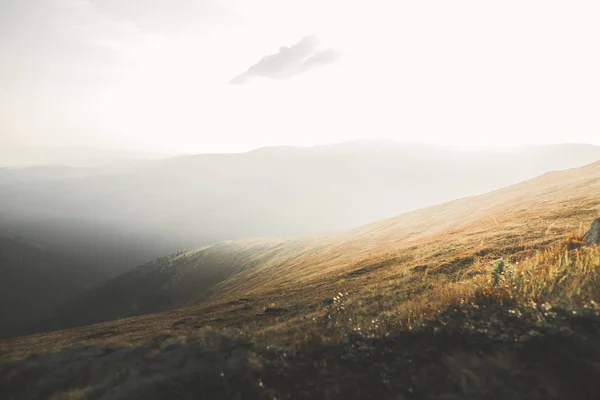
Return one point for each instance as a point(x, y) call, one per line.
point(467, 352)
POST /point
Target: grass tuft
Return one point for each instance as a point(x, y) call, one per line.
point(567, 274)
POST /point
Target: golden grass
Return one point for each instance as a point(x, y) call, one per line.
point(562, 274)
point(529, 214)
point(396, 272)
point(567, 274)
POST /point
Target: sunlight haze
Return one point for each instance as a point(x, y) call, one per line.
point(158, 76)
point(299, 199)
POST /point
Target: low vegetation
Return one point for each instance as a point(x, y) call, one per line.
point(522, 326)
point(482, 298)
point(565, 275)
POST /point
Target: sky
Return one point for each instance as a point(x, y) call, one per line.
point(232, 75)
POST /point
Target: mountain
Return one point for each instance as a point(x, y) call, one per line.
point(35, 281)
point(132, 214)
point(49, 173)
point(388, 255)
point(32, 156)
point(492, 296)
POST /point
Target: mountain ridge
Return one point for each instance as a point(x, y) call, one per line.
point(229, 270)
point(124, 216)
point(35, 281)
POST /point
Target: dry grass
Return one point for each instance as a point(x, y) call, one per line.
point(566, 274)
point(486, 297)
point(396, 272)
point(562, 274)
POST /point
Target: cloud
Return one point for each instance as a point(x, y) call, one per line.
point(289, 61)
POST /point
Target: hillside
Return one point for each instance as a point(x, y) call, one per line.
point(480, 298)
point(35, 281)
point(488, 297)
point(118, 216)
point(386, 257)
point(166, 283)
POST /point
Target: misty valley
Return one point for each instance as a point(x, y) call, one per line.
point(299, 200)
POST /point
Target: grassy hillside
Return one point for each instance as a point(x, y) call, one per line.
point(35, 281)
point(406, 265)
point(490, 297)
point(166, 283)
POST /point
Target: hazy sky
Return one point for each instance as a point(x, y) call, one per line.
point(231, 75)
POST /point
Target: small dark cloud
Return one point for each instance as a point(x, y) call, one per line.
point(289, 61)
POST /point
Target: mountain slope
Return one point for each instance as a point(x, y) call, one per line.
point(168, 282)
point(421, 316)
point(382, 257)
point(34, 282)
point(127, 216)
point(70, 156)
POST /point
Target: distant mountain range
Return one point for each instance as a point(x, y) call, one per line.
point(119, 215)
point(71, 156)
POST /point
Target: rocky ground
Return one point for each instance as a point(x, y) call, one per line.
point(467, 352)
